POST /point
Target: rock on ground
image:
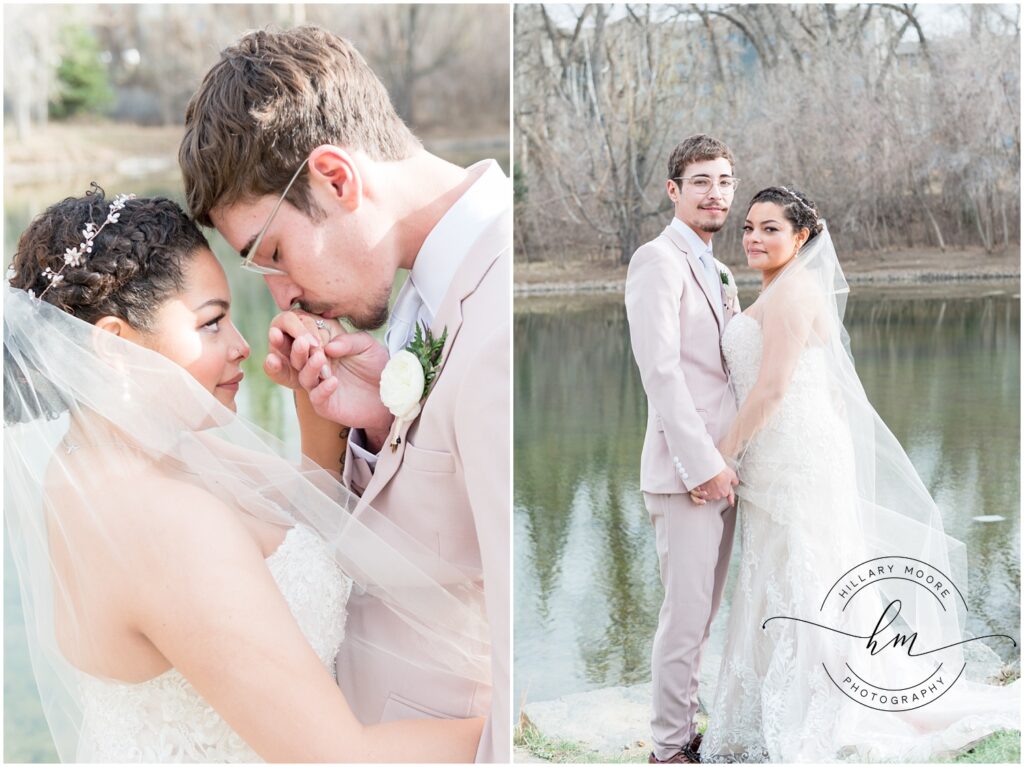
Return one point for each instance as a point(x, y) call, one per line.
point(612, 719)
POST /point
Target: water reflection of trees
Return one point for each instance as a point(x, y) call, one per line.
point(578, 413)
point(621, 652)
point(944, 375)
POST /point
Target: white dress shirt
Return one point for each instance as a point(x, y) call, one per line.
point(438, 260)
point(706, 255)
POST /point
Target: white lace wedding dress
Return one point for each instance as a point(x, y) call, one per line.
point(165, 720)
point(774, 701)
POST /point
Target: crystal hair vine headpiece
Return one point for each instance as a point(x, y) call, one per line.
point(796, 197)
point(75, 256)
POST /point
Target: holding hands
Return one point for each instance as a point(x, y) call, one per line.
point(719, 486)
point(722, 484)
point(340, 371)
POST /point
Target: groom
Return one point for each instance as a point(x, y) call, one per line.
point(298, 115)
point(677, 309)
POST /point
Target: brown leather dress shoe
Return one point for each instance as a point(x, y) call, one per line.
point(685, 755)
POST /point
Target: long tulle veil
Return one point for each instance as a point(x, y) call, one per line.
point(127, 401)
point(864, 485)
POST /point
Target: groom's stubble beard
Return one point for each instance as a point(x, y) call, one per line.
point(711, 226)
point(372, 318)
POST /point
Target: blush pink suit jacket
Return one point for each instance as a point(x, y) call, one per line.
point(448, 486)
point(677, 346)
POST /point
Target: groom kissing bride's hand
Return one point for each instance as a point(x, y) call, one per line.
point(339, 371)
point(294, 152)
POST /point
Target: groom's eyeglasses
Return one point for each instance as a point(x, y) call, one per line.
point(248, 254)
point(703, 184)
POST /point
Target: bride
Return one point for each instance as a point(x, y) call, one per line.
point(184, 585)
point(825, 488)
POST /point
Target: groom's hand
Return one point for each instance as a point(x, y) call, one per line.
point(343, 381)
point(339, 370)
point(350, 395)
point(718, 487)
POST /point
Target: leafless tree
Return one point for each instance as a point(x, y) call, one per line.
point(597, 116)
point(904, 138)
point(397, 43)
point(30, 62)
point(445, 66)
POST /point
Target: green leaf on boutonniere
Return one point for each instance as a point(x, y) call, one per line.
point(725, 277)
point(428, 351)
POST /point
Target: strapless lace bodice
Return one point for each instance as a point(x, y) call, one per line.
point(165, 720)
point(807, 434)
point(743, 346)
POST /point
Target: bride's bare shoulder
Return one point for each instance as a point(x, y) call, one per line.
point(796, 283)
point(145, 509)
point(798, 292)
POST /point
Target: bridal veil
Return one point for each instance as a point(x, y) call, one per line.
point(129, 404)
point(888, 601)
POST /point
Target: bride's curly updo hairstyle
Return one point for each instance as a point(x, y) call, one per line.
point(801, 212)
point(136, 264)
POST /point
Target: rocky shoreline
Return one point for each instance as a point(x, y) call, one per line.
point(612, 724)
point(919, 266)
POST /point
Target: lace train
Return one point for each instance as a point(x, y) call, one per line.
point(774, 701)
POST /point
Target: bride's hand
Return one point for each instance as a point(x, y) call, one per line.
point(294, 336)
point(718, 487)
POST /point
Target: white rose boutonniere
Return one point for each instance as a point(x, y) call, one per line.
point(406, 379)
point(401, 385)
point(729, 289)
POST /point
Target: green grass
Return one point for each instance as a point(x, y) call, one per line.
point(528, 737)
point(999, 748)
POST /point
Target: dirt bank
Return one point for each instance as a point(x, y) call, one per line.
point(911, 266)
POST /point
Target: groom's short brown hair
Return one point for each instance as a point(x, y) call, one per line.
point(696, 148)
point(271, 99)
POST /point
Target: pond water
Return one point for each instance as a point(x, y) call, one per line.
point(942, 370)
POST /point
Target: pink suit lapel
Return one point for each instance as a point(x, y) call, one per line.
point(714, 302)
point(449, 316)
point(695, 267)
